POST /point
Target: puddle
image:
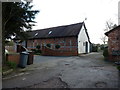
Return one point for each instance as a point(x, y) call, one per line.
point(100, 84)
point(67, 64)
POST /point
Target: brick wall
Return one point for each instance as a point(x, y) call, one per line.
point(114, 43)
point(49, 52)
point(13, 57)
point(66, 43)
point(114, 58)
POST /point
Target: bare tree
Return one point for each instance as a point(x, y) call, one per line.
point(104, 39)
point(108, 26)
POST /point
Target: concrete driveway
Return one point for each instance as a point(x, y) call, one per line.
point(85, 71)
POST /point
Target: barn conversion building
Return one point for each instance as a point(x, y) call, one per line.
point(72, 37)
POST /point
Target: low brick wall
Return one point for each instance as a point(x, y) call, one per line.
point(13, 57)
point(114, 58)
point(49, 52)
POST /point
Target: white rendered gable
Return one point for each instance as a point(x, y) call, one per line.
point(82, 39)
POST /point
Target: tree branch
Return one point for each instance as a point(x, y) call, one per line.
point(8, 18)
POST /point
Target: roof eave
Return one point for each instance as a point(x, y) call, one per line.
point(111, 30)
point(53, 37)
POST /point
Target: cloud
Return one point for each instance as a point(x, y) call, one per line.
point(63, 12)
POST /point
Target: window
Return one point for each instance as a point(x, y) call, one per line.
point(50, 32)
point(36, 34)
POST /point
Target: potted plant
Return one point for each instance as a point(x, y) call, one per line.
point(48, 45)
point(38, 47)
point(57, 46)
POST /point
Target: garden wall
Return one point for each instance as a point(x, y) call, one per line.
point(49, 52)
point(13, 57)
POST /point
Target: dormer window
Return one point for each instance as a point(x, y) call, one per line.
point(50, 32)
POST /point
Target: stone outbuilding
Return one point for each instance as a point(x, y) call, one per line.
point(114, 43)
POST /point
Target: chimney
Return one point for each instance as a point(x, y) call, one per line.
point(119, 13)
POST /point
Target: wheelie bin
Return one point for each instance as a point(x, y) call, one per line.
point(30, 58)
point(23, 59)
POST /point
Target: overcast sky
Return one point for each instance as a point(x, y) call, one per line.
point(64, 12)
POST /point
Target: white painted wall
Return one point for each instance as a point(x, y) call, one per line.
point(82, 38)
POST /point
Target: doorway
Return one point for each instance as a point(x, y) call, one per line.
point(86, 47)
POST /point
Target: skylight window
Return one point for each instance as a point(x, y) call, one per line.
point(50, 32)
point(36, 34)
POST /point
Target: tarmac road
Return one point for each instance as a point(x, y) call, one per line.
point(85, 71)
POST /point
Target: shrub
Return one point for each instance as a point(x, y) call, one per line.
point(37, 52)
point(118, 67)
point(34, 50)
point(94, 48)
point(9, 43)
point(38, 46)
point(11, 64)
point(57, 46)
point(102, 47)
point(105, 53)
point(48, 45)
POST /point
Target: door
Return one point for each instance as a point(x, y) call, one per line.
point(86, 47)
